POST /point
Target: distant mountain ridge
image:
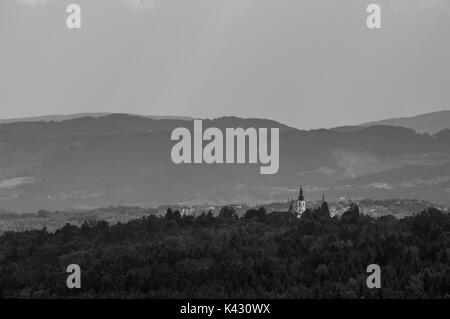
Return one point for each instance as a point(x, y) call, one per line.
point(430, 123)
point(116, 123)
point(66, 117)
point(424, 123)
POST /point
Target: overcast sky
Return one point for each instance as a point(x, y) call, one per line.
point(306, 63)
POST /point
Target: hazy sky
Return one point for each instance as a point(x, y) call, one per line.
point(307, 63)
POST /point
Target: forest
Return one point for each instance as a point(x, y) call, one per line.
point(259, 255)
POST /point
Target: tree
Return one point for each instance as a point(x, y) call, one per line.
point(258, 214)
point(352, 214)
point(228, 213)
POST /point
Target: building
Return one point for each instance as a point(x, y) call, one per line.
point(299, 205)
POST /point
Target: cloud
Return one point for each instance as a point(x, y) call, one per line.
point(33, 2)
point(140, 4)
point(417, 5)
point(137, 5)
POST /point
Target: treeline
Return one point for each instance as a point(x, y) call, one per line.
point(260, 255)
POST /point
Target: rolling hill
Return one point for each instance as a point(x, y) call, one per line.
point(65, 117)
point(124, 159)
point(424, 123)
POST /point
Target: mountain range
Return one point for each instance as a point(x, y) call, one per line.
point(85, 161)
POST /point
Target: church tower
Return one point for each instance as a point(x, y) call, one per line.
point(300, 204)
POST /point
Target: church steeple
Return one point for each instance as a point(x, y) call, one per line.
point(300, 204)
point(300, 195)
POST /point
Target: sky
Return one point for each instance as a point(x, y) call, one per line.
point(305, 63)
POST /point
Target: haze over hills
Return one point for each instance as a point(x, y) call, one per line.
point(431, 123)
point(424, 123)
point(65, 117)
point(125, 159)
point(53, 117)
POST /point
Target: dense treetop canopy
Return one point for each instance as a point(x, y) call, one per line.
point(261, 255)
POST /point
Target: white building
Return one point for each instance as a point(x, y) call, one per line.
point(300, 204)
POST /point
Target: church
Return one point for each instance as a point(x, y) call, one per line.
point(299, 205)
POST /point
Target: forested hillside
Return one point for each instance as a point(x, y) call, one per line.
point(123, 159)
point(260, 255)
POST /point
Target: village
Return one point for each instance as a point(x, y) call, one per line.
point(54, 220)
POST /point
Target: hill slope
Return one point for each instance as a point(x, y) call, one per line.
point(424, 123)
point(122, 159)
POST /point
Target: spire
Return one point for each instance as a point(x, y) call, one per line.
point(323, 198)
point(300, 195)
